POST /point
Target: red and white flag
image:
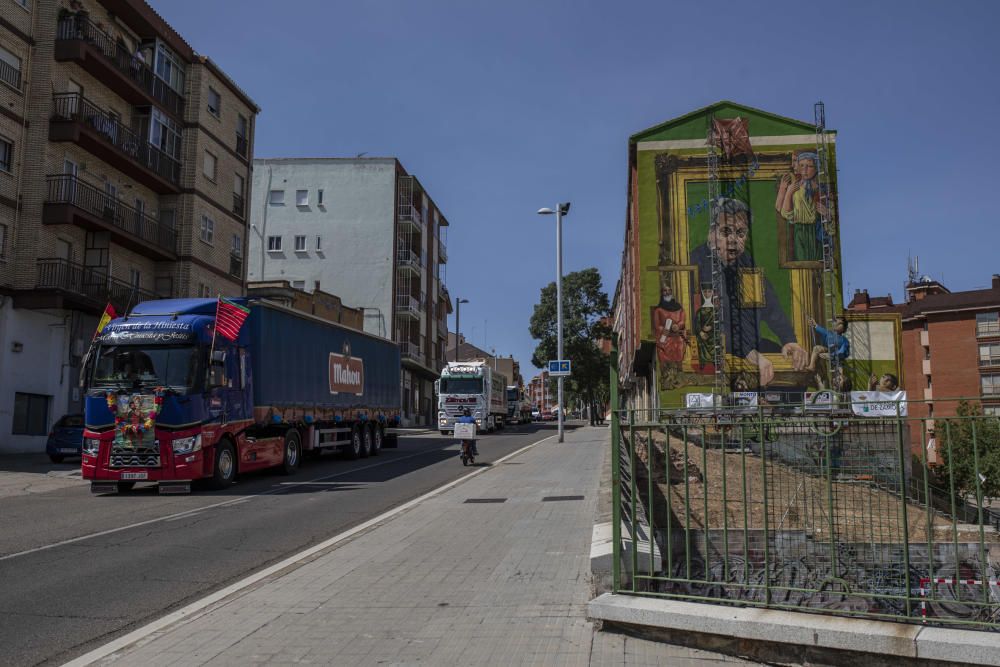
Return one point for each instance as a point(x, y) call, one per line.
point(229, 318)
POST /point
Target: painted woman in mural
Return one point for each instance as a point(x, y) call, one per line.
point(704, 328)
point(798, 203)
point(671, 336)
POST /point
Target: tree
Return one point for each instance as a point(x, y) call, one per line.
point(585, 305)
point(959, 441)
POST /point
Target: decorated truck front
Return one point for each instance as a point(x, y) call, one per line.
point(473, 386)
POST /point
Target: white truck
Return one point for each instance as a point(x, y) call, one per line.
point(518, 407)
point(473, 385)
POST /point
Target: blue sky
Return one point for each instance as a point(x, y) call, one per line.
point(501, 108)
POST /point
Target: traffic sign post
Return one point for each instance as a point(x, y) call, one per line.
point(560, 368)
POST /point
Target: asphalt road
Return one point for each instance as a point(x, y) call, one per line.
point(77, 570)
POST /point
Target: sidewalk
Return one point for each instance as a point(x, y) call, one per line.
point(501, 581)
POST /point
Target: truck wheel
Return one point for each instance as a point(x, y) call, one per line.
point(125, 487)
point(354, 450)
point(224, 471)
point(293, 453)
point(366, 440)
point(377, 439)
point(444, 432)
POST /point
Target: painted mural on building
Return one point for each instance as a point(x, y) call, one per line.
point(765, 228)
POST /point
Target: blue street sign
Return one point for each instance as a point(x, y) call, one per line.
point(559, 367)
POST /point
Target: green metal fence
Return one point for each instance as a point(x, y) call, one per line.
point(828, 513)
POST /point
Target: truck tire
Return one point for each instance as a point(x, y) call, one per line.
point(366, 440)
point(224, 470)
point(378, 439)
point(444, 432)
point(292, 453)
point(353, 450)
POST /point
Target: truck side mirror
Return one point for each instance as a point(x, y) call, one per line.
point(217, 369)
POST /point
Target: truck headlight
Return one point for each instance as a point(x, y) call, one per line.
point(443, 421)
point(91, 446)
point(187, 445)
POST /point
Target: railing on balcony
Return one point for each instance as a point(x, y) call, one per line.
point(410, 350)
point(89, 282)
point(67, 189)
point(10, 75)
point(408, 213)
point(984, 329)
point(408, 258)
point(989, 361)
point(242, 145)
point(407, 304)
point(77, 27)
point(239, 206)
point(72, 106)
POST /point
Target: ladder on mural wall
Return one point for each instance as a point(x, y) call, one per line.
point(718, 275)
point(828, 219)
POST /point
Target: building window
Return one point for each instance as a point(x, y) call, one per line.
point(274, 244)
point(164, 133)
point(302, 198)
point(299, 284)
point(134, 278)
point(991, 410)
point(169, 68)
point(319, 197)
point(207, 229)
point(209, 166)
point(237, 248)
point(31, 414)
point(319, 245)
point(241, 134)
point(300, 244)
point(204, 291)
point(3, 241)
point(214, 102)
point(989, 354)
point(277, 198)
point(168, 218)
point(990, 384)
point(10, 68)
point(6, 154)
point(988, 324)
point(24, 3)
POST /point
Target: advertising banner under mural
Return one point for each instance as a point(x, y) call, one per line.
point(879, 403)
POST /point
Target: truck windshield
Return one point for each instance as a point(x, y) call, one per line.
point(125, 366)
point(461, 385)
point(512, 395)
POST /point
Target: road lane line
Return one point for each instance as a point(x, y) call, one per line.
point(186, 513)
point(193, 609)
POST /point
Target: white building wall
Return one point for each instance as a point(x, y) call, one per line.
point(355, 223)
point(33, 352)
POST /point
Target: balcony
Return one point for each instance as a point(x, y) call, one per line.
point(242, 145)
point(410, 350)
point(409, 260)
point(407, 306)
point(239, 206)
point(10, 75)
point(409, 218)
point(64, 284)
point(987, 329)
point(70, 201)
point(442, 252)
point(79, 40)
point(78, 120)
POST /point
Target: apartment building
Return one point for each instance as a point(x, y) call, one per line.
point(540, 392)
point(366, 230)
point(125, 161)
point(950, 347)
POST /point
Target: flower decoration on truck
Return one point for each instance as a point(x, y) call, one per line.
point(136, 420)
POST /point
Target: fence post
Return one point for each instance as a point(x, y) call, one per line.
point(903, 488)
point(616, 479)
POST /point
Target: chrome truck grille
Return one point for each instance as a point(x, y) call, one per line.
point(135, 457)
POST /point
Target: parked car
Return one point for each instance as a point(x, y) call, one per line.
point(548, 416)
point(66, 438)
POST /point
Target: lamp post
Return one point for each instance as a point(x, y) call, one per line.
point(560, 211)
point(458, 324)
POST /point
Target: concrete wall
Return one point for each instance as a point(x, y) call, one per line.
point(355, 223)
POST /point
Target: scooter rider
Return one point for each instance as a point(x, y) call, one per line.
point(466, 418)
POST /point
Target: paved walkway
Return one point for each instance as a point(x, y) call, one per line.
point(502, 581)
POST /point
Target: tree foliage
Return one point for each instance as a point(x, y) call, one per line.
point(584, 306)
point(960, 442)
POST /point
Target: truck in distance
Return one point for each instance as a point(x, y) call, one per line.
point(518, 407)
point(473, 385)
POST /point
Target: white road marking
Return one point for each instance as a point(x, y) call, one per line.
point(194, 609)
point(187, 513)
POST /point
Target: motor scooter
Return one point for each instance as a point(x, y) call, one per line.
point(467, 452)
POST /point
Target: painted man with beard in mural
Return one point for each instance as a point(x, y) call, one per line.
point(671, 336)
point(729, 230)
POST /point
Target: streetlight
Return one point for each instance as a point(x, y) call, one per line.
point(561, 210)
point(458, 328)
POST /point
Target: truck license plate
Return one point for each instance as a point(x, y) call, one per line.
point(68, 450)
point(135, 475)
